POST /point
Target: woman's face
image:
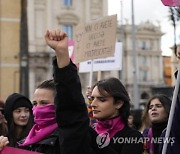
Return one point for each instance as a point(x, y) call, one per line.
point(157, 111)
point(130, 121)
point(21, 116)
point(103, 107)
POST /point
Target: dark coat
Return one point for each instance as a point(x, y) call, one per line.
point(77, 137)
point(49, 145)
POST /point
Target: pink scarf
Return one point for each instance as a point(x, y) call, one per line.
point(111, 126)
point(45, 124)
point(149, 143)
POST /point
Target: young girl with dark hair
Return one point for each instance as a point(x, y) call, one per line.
point(18, 113)
point(157, 110)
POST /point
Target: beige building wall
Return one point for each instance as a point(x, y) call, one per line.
point(148, 58)
point(9, 47)
point(44, 14)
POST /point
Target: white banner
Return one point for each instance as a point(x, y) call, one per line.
point(104, 64)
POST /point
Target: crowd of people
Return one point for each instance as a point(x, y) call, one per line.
point(57, 120)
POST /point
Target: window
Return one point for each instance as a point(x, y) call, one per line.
point(143, 60)
point(143, 75)
point(68, 2)
point(143, 45)
point(69, 30)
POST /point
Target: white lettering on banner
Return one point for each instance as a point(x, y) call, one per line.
point(104, 64)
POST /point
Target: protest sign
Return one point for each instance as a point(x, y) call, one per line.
point(11, 150)
point(171, 2)
point(104, 64)
point(95, 39)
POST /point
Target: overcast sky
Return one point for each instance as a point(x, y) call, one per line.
point(152, 10)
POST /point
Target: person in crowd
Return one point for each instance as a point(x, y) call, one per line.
point(110, 106)
point(130, 120)
point(18, 113)
point(145, 121)
point(3, 125)
point(157, 109)
point(134, 119)
point(44, 136)
point(89, 107)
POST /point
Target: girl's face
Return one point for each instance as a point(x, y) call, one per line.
point(103, 107)
point(21, 116)
point(157, 111)
point(130, 121)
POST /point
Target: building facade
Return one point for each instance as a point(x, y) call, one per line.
point(48, 14)
point(149, 61)
point(9, 47)
point(66, 14)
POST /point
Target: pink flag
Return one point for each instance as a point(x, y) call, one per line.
point(171, 2)
point(71, 49)
point(11, 150)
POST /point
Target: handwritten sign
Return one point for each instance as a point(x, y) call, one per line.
point(96, 39)
point(104, 64)
point(11, 150)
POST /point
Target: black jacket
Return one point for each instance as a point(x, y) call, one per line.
point(49, 145)
point(77, 137)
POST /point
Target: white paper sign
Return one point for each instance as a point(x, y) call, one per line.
point(104, 64)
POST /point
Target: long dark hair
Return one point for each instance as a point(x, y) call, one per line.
point(13, 102)
point(116, 89)
point(12, 135)
point(165, 101)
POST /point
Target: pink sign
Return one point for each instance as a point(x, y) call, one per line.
point(11, 150)
point(171, 2)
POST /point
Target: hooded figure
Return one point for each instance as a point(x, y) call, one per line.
point(22, 107)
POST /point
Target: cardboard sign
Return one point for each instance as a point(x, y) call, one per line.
point(171, 2)
point(11, 150)
point(95, 39)
point(104, 64)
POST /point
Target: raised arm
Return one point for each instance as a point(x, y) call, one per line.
point(71, 111)
point(58, 40)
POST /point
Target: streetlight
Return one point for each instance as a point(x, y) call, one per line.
point(135, 83)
